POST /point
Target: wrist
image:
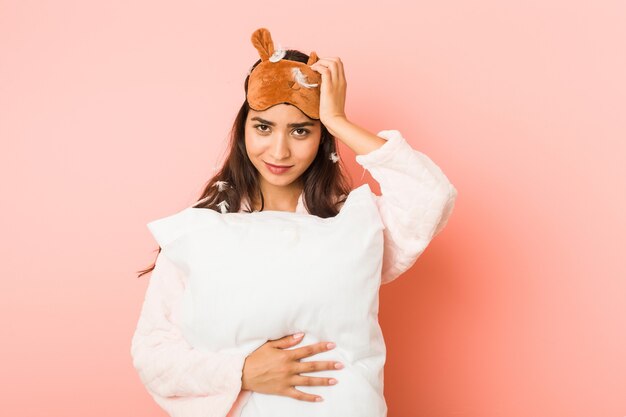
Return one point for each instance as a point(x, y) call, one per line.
point(336, 124)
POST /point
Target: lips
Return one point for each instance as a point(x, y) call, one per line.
point(277, 169)
point(279, 166)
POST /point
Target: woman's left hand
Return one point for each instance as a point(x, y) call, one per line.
point(332, 91)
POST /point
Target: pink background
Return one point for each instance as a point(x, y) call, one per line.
point(114, 113)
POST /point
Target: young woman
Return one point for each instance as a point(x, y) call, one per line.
point(282, 160)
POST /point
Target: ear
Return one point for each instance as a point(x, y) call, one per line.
point(262, 41)
point(312, 58)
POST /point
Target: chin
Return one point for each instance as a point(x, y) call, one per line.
point(279, 181)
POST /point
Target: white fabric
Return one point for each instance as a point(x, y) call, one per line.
point(256, 276)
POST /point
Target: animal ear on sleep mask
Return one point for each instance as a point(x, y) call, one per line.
point(276, 80)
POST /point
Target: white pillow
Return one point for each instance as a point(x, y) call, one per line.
point(251, 277)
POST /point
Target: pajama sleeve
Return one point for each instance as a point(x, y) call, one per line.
point(183, 380)
point(417, 200)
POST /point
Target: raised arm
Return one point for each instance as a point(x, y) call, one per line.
point(183, 380)
point(417, 200)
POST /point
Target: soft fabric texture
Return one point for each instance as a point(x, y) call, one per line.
point(275, 80)
point(262, 275)
point(201, 318)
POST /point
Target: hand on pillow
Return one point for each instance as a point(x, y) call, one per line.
point(271, 369)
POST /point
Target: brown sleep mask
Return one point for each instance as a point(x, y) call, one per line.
point(276, 80)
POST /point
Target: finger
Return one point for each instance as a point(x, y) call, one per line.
point(309, 350)
point(311, 381)
point(286, 341)
point(332, 67)
point(341, 75)
point(337, 69)
point(329, 58)
point(326, 84)
point(303, 396)
point(323, 69)
point(315, 366)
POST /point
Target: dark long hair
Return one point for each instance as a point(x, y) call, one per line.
point(325, 184)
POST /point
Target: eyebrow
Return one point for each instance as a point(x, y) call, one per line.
point(267, 122)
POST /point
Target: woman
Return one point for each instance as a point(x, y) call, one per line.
point(283, 159)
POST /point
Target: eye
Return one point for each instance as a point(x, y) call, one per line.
point(261, 128)
point(257, 126)
point(306, 131)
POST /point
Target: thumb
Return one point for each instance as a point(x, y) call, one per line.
point(289, 340)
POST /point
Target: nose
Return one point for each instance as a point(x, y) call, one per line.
point(280, 147)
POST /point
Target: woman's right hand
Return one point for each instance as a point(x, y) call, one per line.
point(272, 369)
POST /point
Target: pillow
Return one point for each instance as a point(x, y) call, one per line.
point(251, 277)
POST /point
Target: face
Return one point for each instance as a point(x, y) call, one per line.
point(281, 135)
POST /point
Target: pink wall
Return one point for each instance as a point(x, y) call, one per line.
point(114, 113)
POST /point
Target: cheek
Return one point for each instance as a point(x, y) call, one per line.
point(307, 152)
point(253, 145)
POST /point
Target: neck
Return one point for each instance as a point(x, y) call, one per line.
point(278, 198)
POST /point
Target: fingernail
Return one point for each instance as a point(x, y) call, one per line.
point(339, 365)
point(330, 345)
point(298, 335)
point(332, 381)
point(318, 399)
